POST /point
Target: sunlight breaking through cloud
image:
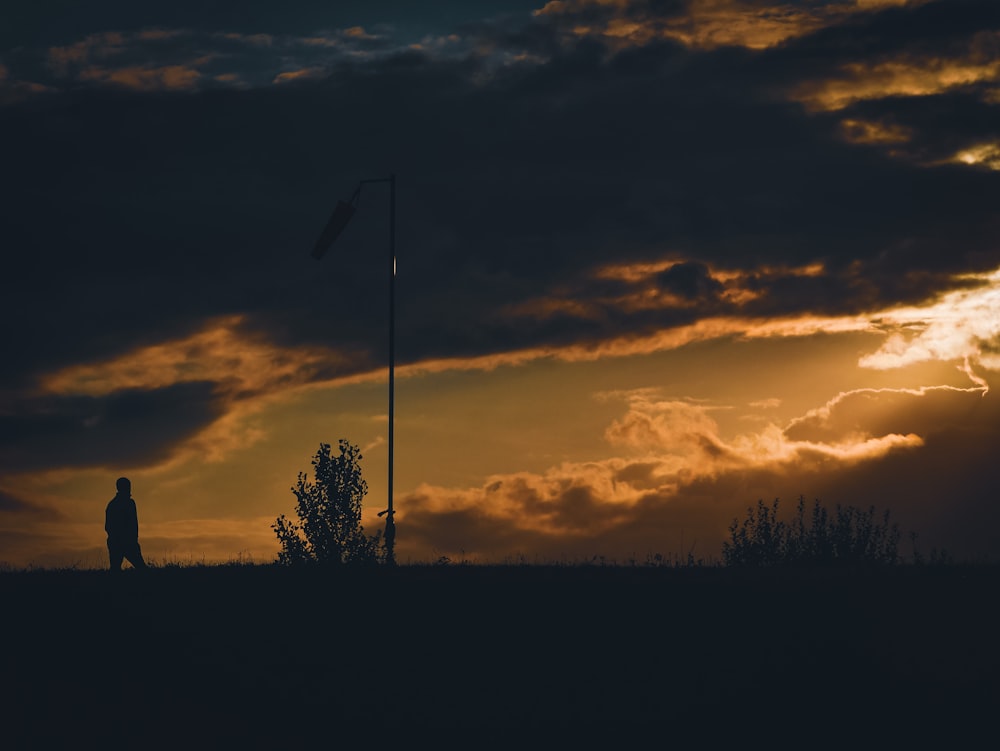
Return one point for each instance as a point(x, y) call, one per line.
point(985, 155)
point(963, 326)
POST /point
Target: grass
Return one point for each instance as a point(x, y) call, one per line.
point(251, 655)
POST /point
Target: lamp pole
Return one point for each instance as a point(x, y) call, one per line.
point(390, 521)
point(342, 214)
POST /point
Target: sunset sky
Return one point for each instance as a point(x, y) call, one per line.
point(657, 259)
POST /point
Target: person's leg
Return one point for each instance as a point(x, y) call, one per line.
point(134, 555)
point(115, 554)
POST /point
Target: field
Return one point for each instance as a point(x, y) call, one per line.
point(532, 656)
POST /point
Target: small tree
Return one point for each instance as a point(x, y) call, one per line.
point(329, 529)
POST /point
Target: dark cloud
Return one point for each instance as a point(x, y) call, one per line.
point(12, 504)
point(506, 188)
point(131, 217)
point(880, 412)
point(690, 280)
point(128, 428)
point(933, 28)
point(49, 22)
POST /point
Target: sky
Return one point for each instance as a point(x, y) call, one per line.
point(656, 260)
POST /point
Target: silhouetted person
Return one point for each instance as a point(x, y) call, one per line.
point(122, 525)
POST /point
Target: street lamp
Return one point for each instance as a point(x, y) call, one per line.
point(342, 214)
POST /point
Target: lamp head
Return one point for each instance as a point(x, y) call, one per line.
point(338, 220)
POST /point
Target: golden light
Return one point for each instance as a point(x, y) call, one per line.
point(872, 132)
point(902, 77)
point(985, 155)
point(959, 326)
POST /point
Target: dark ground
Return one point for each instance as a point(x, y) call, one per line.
point(525, 656)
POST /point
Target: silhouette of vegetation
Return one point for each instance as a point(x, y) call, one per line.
point(848, 536)
point(937, 556)
point(329, 529)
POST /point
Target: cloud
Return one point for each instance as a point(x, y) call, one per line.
point(897, 78)
point(985, 154)
point(94, 46)
point(679, 472)
point(674, 426)
point(12, 504)
point(691, 280)
point(613, 194)
point(14, 90)
point(187, 397)
point(224, 352)
point(865, 412)
point(869, 132)
point(961, 325)
point(300, 74)
point(236, 371)
point(130, 428)
point(240, 371)
point(683, 492)
point(166, 78)
point(705, 24)
point(191, 59)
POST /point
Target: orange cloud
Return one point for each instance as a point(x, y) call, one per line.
point(671, 425)
point(707, 24)
point(659, 341)
point(872, 132)
point(956, 326)
point(673, 446)
point(337, 38)
point(963, 325)
point(984, 155)
point(240, 363)
point(159, 34)
point(859, 413)
point(145, 78)
point(907, 76)
point(98, 46)
point(650, 289)
point(302, 74)
point(248, 371)
point(109, 58)
point(358, 32)
point(12, 90)
point(259, 40)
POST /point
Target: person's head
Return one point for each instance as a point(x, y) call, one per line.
point(124, 486)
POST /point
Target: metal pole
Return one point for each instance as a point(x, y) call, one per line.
point(390, 523)
point(342, 214)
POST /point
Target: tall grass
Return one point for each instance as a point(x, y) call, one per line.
point(847, 536)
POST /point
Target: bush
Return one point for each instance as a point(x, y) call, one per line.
point(849, 536)
point(329, 510)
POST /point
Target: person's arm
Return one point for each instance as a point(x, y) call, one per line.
point(134, 520)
